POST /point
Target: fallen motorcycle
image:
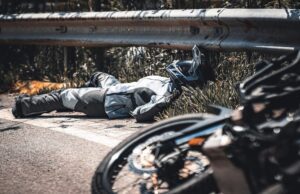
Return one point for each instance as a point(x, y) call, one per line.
point(253, 149)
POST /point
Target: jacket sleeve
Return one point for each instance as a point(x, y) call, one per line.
point(147, 111)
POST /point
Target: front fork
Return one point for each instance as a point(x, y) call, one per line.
point(230, 179)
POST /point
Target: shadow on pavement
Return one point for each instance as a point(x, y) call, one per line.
point(9, 128)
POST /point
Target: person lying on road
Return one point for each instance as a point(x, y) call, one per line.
point(104, 95)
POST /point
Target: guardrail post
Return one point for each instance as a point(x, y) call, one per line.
point(65, 62)
point(69, 61)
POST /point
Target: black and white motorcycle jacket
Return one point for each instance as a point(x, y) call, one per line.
point(142, 99)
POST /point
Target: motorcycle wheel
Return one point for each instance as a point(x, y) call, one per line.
point(110, 167)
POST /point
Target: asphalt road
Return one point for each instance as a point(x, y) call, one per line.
point(54, 153)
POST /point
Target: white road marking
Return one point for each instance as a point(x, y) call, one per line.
point(55, 124)
point(90, 136)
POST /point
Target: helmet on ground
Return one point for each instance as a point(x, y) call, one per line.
point(189, 72)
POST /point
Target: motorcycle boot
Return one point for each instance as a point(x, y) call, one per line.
point(26, 106)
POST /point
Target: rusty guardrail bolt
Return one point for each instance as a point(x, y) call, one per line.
point(61, 29)
point(92, 29)
point(194, 30)
point(218, 31)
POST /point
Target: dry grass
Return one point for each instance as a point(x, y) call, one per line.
point(232, 68)
point(130, 64)
point(36, 87)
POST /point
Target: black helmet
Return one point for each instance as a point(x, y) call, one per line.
point(188, 72)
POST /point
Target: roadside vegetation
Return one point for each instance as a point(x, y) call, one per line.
point(45, 63)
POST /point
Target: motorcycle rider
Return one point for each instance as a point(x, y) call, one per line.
point(104, 96)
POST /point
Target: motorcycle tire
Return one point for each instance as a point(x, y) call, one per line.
point(107, 169)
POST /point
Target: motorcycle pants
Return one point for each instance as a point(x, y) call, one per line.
point(86, 100)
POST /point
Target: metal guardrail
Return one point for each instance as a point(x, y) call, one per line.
point(217, 29)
